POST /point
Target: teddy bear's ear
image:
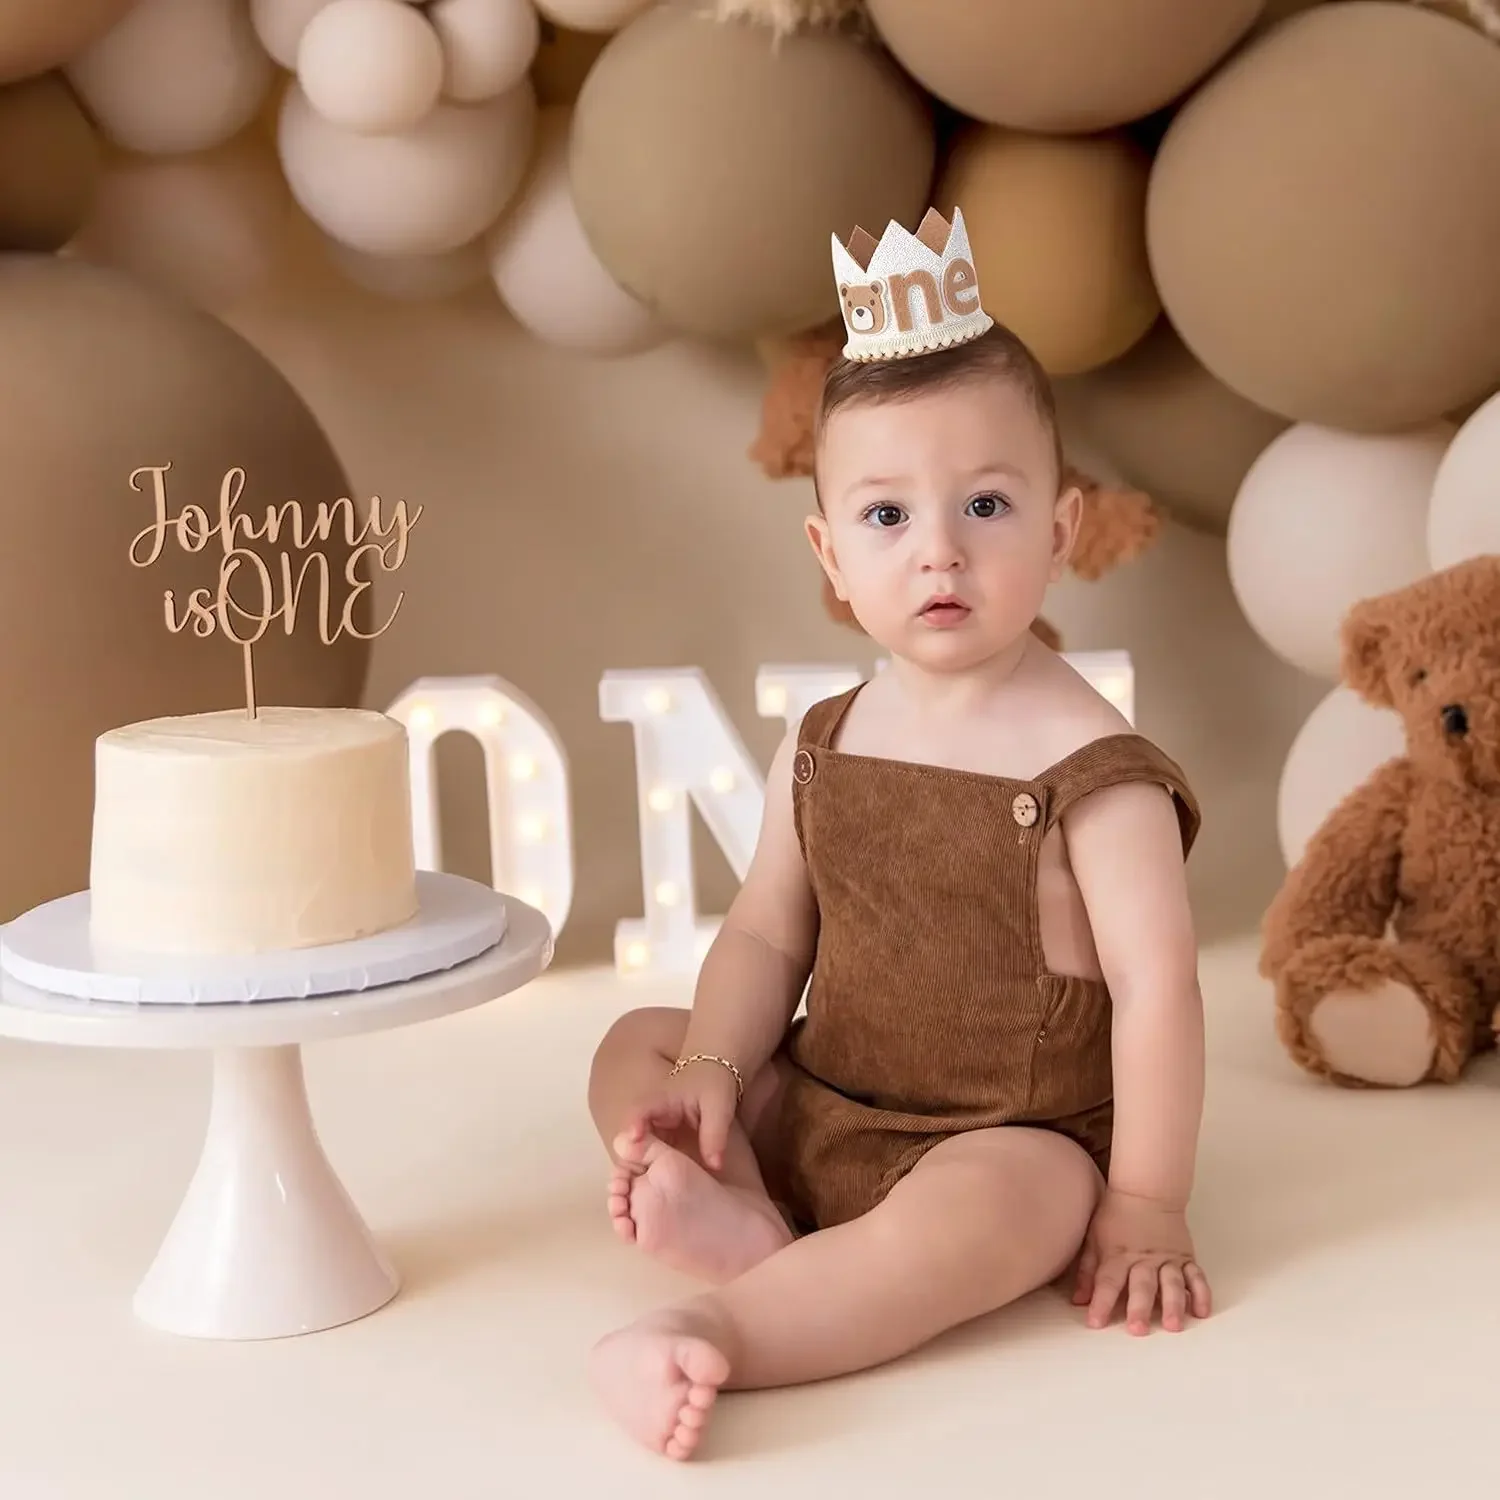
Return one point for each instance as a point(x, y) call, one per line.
point(1365, 641)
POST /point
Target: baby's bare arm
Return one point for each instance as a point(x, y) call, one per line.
point(1125, 846)
point(753, 975)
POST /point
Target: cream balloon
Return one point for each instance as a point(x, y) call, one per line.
point(1464, 517)
point(592, 15)
point(174, 76)
point(1341, 742)
point(412, 278)
point(370, 65)
point(1322, 519)
point(280, 23)
point(546, 272)
point(415, 192)
point(488, 45)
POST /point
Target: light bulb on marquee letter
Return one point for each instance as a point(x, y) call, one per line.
point(526, 785)
point(687, 753)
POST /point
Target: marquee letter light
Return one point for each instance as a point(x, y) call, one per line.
point(526, 785)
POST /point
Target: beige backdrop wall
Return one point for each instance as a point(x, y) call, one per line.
point(541, 472)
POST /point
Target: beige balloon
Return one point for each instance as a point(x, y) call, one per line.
point(370, 65)
point(1169, 427)
point(175, 76)
point(1350, 151)
point(280, 23)
point(591, 15)
point(1060, 66)
point(1075, 284)
point(1322, 520)
point(110, 376)
point(49, 164)
point(412, 278)
point(421, 191)
point(1463, 519)
point(1342, 742)
point(39, 35)
point(487, 45)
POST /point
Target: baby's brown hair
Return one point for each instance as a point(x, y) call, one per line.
point(997, 354)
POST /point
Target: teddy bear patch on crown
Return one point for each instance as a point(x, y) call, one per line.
point(909, 293)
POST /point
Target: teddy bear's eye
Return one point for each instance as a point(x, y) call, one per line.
point(1419, 675)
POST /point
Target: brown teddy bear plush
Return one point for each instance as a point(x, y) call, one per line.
point(1116, 526)
point(1384, 940)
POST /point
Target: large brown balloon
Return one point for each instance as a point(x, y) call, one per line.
point(50, 160)
point(1060, 65)
point(99, 376)
point(36, 35)
point(1167, 426)
point(1324, 220)
point(711, 162)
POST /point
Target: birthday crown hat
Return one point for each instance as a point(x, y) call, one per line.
point(910, 293)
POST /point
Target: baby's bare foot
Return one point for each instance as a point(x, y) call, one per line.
point(659, 1379)
point(686, 1218)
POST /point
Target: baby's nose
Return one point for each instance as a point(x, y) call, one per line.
point(1455, 720)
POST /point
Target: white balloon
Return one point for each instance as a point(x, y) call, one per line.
point(1322, 520)
point(488, 45)
point(1463, 520)
point(547, 273)
point(280, 23)
point(412, 278)
point(592, 15)
point(174, 76)
point(414, 192)
point(370, 65)
point(1342, 742)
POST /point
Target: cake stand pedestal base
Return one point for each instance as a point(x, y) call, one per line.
point(267, 1243)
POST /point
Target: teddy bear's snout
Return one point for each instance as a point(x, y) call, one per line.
point(1455, 720)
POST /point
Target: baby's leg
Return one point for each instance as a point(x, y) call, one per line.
point(983, 1219)
point(712, 1225)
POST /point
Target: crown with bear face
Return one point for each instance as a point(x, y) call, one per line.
point(910, 293)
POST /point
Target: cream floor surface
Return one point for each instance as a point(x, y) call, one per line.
point(1354, 1240)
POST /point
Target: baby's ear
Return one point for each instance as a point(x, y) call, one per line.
point(1366, 639)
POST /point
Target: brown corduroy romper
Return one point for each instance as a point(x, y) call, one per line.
point(931, 1010)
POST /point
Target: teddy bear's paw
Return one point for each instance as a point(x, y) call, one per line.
point(1382, 1035)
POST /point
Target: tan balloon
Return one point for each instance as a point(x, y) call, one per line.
point(37, 35)
point(1169, 428)
point(711, 163)
point(1060, 65)
point(86, 644)
point(1057, 225)
point(49, 164)
point(1323, 217)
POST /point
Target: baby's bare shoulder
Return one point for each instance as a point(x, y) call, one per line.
point(1072, 713)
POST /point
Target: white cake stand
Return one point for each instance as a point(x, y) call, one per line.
point(267, 1242)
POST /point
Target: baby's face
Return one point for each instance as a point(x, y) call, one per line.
point(949, 496)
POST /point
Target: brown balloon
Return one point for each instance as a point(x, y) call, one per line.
point(37, 35)
point(100, 377)
point(50, 161)
point(711, 162)
point(1323, 219)
point(1167, 425)
point(1060, 66)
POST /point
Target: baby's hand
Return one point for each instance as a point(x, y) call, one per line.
point(1142, 1250)
point(694, 1109)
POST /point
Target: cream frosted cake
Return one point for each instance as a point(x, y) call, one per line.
point(219, 833)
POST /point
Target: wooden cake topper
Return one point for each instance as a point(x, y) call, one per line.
point(270, 591)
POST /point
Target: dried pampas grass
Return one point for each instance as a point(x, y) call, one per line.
point(784, 17)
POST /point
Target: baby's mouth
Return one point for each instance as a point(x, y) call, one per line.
point(944, 607)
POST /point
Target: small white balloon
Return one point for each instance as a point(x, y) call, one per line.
point(488, 45)
point(1323, 519)
point(592, 15)
point(280, 23)
point(173, 77)
point(546, 271)
point(412, 278)
point(1343, 741)
point(413, 192)
point(1464, 518)
point(370, 65)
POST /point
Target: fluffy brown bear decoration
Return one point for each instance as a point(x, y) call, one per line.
point(1384, 940)
point(1117, 524)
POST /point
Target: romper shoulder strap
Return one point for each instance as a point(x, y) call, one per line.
point(1117, 758)
point(820, 723)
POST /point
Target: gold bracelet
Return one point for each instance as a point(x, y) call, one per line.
point(723, 1062)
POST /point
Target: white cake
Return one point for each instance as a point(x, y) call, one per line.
point(218, 833)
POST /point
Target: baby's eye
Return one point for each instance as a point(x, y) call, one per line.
point(885, 515)
point(986, 506)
